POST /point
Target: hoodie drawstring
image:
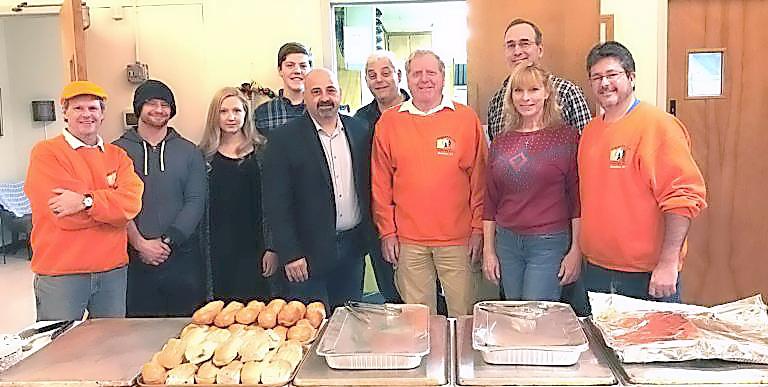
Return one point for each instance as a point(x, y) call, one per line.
point(162, 156)
point(146, 172)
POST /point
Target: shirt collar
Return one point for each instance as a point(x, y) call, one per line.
point(75, 142)
point(318, 128)
point(281, 95)
point(409, 107)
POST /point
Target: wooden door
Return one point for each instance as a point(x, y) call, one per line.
point(569, 28)
point(727, 256)
point(73, 40)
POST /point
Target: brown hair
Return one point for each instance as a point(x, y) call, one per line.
point(526, 74)
point(536, 29)
point(209, 145)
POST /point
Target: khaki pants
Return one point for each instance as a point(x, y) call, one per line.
point(415, 277)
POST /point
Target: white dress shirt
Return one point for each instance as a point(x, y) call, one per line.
point(339, 160)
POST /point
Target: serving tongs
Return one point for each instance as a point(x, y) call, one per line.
point(527, 312)
point(363, 310)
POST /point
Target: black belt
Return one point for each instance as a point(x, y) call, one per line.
point(345, 233)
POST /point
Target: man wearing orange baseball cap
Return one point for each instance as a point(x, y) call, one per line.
point(83, 192)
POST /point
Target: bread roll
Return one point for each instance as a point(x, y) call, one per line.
point(289, 314)
point(206, 374)
point(302, 333)
point(274, 338)
point(281, 332)
point(300, 306)
point(255, 347)
point(194, 336)
point(230, 374)
point(198, 353)
point(254, 327)
point(207, 313)
point(314, 318)
point(182, 374)
point(267, 318)
point(290, 351)
point(234, 328)
point(218, 335)
point(153, 373)
point(226, 317)
point(318, 306)
point(190, 327)
point(276, 304)
point(227, 352)
point(277, 372)
point(251, 372)
point(246, 315)
point(172, 353)
point(256, 305)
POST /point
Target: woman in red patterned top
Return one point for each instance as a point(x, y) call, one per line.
point(531, 210)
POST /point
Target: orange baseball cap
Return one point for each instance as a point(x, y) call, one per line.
point(73, 89)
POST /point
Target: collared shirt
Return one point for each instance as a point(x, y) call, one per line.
point(339, 159)
point(409, 107)
point(575, 110)
point(371, 113)
point(75, 142)
point(276, 112)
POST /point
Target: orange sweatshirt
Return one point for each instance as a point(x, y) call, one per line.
point(428, 176)
point(88, 241)
point(631, 173)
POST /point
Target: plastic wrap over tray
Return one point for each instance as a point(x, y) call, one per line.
point(376, 341)
point(642, 331)
point(527, 332)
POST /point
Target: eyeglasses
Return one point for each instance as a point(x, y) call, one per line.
point(597, 78)
point(523, 44)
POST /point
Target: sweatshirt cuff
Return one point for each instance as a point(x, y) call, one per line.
point(176, 235)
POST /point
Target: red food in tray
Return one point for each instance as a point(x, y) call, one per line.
point(655, 327)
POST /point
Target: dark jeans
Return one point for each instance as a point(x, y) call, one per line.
point(385, 274)
point(599, 279)
point(173, 289)
point(342, 279)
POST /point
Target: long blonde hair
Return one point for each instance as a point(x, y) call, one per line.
point(524, 75)
point(209, 145)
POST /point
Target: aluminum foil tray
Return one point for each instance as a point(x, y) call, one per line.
point(376, 341)
point(527, 333)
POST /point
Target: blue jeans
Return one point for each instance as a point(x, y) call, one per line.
point(530, 263)
point(66, 297)
point(343, 279)
point(599, 279)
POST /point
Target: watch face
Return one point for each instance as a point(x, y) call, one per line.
point(88, 201)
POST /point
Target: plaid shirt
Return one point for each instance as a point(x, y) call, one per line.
point(570, 97)
point(276, 112)
point(13, 199)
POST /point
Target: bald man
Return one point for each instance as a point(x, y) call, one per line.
point(318, 196)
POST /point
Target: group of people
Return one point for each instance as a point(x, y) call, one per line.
point(286, 200)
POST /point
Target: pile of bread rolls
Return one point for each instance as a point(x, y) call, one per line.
point(237, 344)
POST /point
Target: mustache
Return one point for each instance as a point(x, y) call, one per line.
point(326, 104)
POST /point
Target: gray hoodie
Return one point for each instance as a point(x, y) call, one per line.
point(175, 187)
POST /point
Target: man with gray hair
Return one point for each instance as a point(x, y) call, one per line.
point(428, 172)
point(523, 44)
point(382, 78)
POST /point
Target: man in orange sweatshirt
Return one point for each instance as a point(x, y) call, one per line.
point(83, 192)
point(428, 183)
point(640, 186)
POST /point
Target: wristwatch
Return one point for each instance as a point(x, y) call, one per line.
point(87, 201)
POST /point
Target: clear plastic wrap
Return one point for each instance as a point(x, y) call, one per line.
point(527, 332)
point(642, 331)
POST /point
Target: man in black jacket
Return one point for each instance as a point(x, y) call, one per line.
point(317, 196)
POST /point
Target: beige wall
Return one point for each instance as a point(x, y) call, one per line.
point(31, 70)
point(642, 27)
point(196, 47)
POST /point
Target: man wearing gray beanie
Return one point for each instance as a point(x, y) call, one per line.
point(166, 270)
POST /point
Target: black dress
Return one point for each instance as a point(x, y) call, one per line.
point(236, 228)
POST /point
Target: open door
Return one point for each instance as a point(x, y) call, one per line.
point(717, 86)
point(73, 41)
point(569, 30)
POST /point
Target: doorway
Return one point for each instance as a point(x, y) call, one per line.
point(716, 87)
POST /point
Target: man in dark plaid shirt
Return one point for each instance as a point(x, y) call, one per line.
point(522, 43)
point(293, 62)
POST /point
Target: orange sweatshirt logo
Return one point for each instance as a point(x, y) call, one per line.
point(618, 156)
point(112, 179)
point(445, 146)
